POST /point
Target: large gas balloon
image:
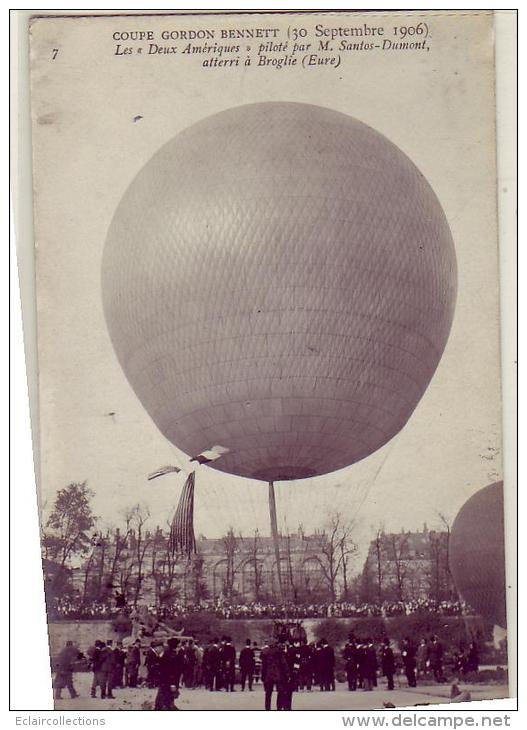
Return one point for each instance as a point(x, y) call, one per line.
point(477, 553)
point(279, 279)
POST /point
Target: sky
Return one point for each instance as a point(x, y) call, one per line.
point(437, 109)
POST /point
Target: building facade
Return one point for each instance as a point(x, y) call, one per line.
point(408, 566)
point(233, 569)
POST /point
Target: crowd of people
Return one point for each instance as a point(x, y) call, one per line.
point(287, 666)
point(76, 609)
point(338, 609)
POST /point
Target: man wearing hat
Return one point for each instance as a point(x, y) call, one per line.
point(275, 671)
point(168, 673)
point(211, 666)
point(132, 662)
point(64, 675)
point(228, 663)
point(151, 664)
point(247, 665)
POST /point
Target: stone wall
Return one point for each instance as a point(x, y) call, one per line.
point(82, 633)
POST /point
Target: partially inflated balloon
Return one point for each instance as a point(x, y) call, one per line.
point(279, 279)
point(477, 553)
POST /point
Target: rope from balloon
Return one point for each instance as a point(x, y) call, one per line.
point(274, 533)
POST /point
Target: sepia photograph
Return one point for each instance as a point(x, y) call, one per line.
point(269, 444)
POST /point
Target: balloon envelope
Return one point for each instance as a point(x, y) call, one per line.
point(477, 553)
point(279, 279)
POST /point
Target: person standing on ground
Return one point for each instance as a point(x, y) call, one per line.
point(472, 658)
point(189, 665)
point(361, 664)
point(228, 664)
point(131, 664)
point(168, 671)
point(388, 662)
point(108, 664)
point(274, 671)
point(295, 658)
point(369, 665)
point(436, 659)
point(95, 654)
point(326, 668)
point(351, 662)
point(409, 661)
point(246, 662)
point(285, 689)
point(422, 658)
point(151, 663)
point(305, 675)
point(119, 658)
point(64, 674)
point(211, 666)
point(198, 666)
point(257, 662)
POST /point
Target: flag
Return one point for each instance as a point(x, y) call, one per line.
point(210, 454)
point(164, 470)
point(182, 528)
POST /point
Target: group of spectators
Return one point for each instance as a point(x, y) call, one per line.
point(338, 609)
point(424, 661)
point(285, 666)
point(76, 609)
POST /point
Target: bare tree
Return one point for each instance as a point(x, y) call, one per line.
point(231, 549)
point(365, 583)
point(141, 540)
point(450, 589)
point(102, 545)
point(256, 564)
point(348, 549)
point(290, 571)
point(434, 570)
point(120, 542)
point(398, 553)
point(336, 550)
point(87, 579)
point(199, 584)
point(378, 547)
point(167, 566)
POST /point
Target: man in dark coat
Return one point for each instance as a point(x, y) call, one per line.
point(351, 662)
point(228, 663)
point(436, 659)
point(472, 658)
point(369, 665)
point(409, 661)
point(388, 662)
point(189, 666)
point(95, 655)
point(246, 662)
point(132, 663)
point(361, 664)
point(108, 664)
point(168, 673)
point(284, 697)
point(275, 671)
point(294, 657)
point(119, 658)
point(326, 666)
point(305, 678)
point(257, 662)
point(64, 675)
point(211, 666)
point(151, 664)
